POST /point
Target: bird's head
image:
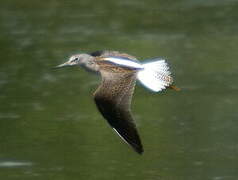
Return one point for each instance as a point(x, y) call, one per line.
point(85, 60)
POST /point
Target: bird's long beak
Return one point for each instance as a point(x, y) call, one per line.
point(62, 65)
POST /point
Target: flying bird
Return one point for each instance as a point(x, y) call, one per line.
point(119, 72)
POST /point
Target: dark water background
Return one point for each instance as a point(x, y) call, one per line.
point(49, 125)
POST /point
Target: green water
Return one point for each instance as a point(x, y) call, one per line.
point(49, 125)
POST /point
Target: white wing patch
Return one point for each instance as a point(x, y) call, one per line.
point(124, 62)
point(155, 75)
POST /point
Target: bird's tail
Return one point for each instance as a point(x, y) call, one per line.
point(155, 75)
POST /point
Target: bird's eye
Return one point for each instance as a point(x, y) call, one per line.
point(75, 59)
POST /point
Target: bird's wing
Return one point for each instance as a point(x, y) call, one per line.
point(113, 99)
point(107, 53)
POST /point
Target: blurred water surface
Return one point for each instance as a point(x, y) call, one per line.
point(49, 125)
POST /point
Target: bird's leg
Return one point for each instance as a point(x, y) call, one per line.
point(174, 88)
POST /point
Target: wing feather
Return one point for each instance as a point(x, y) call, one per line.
point(113, 99)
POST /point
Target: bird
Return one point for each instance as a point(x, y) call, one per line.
point(119, 72)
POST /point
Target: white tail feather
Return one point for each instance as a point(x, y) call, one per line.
point(155, 75)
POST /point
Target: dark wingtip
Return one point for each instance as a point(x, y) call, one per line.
point(140, 151)
point(137, 148)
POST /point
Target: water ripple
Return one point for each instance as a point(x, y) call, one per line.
point(10, 164)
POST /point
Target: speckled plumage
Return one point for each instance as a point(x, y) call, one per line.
point(114, 94)
point(113, 97)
